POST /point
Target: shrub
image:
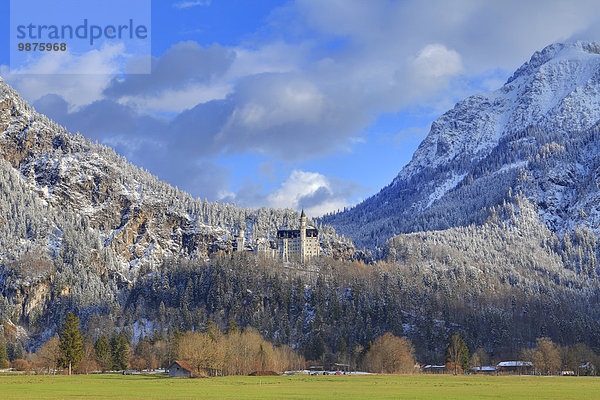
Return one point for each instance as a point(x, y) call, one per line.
point(20, 365)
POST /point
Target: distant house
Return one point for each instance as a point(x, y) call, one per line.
point(515, 368)
point(180, 369)
point(433, 369)
point(587, 369)
point(485, 370)
point(339, 367)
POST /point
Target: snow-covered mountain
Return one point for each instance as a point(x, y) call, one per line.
point(79, 225)
point(65, 201)
point(537, 134)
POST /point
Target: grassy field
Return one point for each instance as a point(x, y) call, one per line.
point(299, 387)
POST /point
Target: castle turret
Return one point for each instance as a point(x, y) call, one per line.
point(303, 236)
point(239, 241)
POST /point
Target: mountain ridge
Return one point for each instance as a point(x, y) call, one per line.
point(554, 97)
point(142, 218)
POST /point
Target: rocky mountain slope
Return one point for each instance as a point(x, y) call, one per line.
point(78, 223)
point(140, 218)
point(537, 134)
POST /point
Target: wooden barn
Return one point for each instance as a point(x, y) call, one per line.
point(515, 368)
point(434, 369)
point(485, 370)
point(180, 369)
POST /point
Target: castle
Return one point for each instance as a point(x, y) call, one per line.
point(291, 243)
point(303, 242)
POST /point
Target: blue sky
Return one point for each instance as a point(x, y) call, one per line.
point(308, 103)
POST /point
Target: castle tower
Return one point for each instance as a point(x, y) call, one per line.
point(303, 236)
point(239, 241)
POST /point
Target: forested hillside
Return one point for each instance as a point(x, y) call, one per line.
point(501, 285)
point(79, 224)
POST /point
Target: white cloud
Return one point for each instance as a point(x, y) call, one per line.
point(80, 80)
point(326, 207)
point(435, 61)
point(488, 34)
point(311, 191)
point(298, 185)
point(195, 3)
point(177, 100)
point(340, 65)
point(277, 57)
point(429, 72)
point(108, 60)
point(384, 55)
point(281, 102)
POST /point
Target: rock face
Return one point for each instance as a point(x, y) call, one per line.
point(141, 219)
point(536, 134)
point(67, 173)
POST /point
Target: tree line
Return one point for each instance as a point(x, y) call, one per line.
point(546, 358)
point(212, 352)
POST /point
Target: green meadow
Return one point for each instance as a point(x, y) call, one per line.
point(299, 387)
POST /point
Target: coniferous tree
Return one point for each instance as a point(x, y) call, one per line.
point(14, 351)
point(71, 343)
point(232, 326)
point(464, 363)
point(103, 353)
point(3, 356)
point(317, 349)
point(120, 351)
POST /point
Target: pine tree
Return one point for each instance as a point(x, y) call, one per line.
point(232, 327)
point(3, 356)
point(103, 353)
point(465, 361)
point(120, 351)
point(14, 351)
point(342, 347)
point(71, 343)
point(173, 340)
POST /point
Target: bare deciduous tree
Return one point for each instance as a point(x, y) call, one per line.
point(457, 353)
point(48, 355)
point(546, 357)
point(391, 355)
